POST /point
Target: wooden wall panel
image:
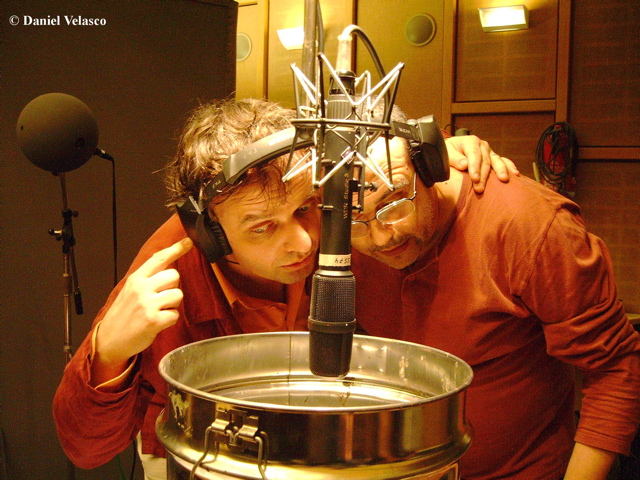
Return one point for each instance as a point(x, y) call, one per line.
point(511, 135)
point(250, 78)
point(515, 65)
point(605, 73)
point(608, 195)
point(336, 15)
point(420, 91)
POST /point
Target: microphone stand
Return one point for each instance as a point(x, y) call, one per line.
point(69, 278)
point(69, 273)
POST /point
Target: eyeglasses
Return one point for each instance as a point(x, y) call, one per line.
point(388, 215)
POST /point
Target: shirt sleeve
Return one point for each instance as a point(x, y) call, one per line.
point(115, 384)
point(95, 425)
point(571, 289)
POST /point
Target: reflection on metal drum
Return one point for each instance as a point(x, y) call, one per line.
point(247, 406)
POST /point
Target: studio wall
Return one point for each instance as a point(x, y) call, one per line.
point(140, 73)
point(577, 62)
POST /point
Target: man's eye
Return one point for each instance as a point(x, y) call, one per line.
point(397, 196)
point(261, 229)
point(308, 206)
point(383, 205)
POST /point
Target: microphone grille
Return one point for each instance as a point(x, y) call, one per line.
point(57, 132)
point(339, 293)
point(330, 353)
point(330, 345)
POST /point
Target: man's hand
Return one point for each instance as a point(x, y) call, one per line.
point(146, 305)
point(469, 152)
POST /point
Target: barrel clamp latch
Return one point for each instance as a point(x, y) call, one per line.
point(240, 432)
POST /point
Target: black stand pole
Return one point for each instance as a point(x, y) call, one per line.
point(69, 278)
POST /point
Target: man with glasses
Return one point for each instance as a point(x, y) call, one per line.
point(511, 282)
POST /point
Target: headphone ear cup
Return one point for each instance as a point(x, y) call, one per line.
point(421, 167)
point(429, 164)
point(207, 235)
point(429, 156)
point(212, 240)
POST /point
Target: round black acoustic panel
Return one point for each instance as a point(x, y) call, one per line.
point(420, 29)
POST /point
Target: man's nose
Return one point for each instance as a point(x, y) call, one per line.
point(298, 237)
point(380, 232)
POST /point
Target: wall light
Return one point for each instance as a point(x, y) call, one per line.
point(502, 19)
point(292, 38)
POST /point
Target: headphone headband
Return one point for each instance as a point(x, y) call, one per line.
point(267, 148)
point(429, 156)
point(208, 234)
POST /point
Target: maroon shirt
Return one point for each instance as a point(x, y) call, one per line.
point(519, 290)
point(94, 425)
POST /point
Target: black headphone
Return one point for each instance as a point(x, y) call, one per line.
point(428, 155)
point(428, 150)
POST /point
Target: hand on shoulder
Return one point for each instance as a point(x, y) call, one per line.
point(468, 152)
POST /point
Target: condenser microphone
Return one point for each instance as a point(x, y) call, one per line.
point(57, 132)
point(343, 127)
point(332, 314)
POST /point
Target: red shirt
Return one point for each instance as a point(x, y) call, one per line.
point(94, 425)
point(520, 291)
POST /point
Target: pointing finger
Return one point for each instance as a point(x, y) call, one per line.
point(160, 260)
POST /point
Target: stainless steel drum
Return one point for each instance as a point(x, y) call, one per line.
point(247, 406)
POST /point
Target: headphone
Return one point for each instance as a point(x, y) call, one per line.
point(428, 155)
point(427, 148)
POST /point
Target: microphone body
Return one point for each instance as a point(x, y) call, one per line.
point(344, 126)
point(332, 315)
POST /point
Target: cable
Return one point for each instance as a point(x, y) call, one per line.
point(556, 158)
point(114, 231)
point(114, 220)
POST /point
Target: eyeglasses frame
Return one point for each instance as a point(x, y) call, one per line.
point(386, 208)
